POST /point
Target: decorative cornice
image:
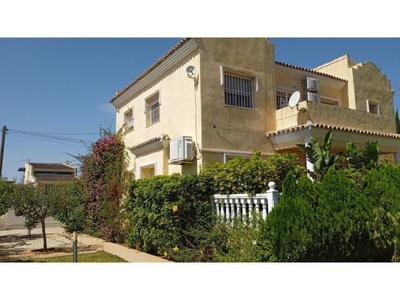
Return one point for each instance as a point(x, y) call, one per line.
point(152, 145)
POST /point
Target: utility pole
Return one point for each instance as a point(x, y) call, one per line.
point(3, 139)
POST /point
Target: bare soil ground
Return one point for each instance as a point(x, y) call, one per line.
point(23, 248)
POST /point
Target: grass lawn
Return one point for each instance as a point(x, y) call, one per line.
point(98, 256)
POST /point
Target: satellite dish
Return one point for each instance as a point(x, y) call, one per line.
point(191, 71)
point(294, 99)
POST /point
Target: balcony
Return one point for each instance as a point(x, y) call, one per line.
point(321, 113)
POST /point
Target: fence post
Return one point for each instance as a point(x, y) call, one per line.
point(272, 196)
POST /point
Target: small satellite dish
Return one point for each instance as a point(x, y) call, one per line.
point(294, 99)
point(191, 71)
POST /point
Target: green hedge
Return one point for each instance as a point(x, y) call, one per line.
point(251, 176)
point(337, 219)
point(170, 216)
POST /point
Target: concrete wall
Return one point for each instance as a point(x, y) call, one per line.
point(178, 114)
point(365, 82)
point(332, 115)
point(10, 221)
point(231, 128)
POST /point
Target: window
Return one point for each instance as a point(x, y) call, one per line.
point(238, 91)
point(147, 171)
point(282, 98)
point(230, 156)
point(153, 110)
point(373, 107)
point(329, 102)
point(128, 119)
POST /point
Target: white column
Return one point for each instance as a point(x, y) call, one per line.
point(218, 206)
point(272, 196)
point(250, 203)
point(237, 208)
point(226, 216)
point(232, 209)
point(256, 202)
point(243, 203)
point(309, 165)
point(264, 207)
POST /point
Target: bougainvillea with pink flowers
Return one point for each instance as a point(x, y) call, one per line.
point(104, 176)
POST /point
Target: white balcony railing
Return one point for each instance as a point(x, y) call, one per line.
point(241, 206)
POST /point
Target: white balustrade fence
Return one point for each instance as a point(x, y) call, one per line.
point(241, 206)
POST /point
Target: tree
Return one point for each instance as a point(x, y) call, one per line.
point(320, 155)
point(35, 204)
point(6, 188)
point(71, 211)
point(104, 179)
point(397, 121)
point(336, 219)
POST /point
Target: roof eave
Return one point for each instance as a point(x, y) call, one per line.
point(177, 53)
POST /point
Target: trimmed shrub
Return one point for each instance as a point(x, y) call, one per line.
point(251, 176)
point(170, 216)
point(335, 219)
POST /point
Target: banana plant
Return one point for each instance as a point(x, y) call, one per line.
point(320, 155)
point(368, 158)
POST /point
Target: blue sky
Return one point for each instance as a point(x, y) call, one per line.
point(62, 86)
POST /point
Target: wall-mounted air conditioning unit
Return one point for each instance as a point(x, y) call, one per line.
point(313, 97)
point(312, 84)
point(181, 150)
point(310, 89)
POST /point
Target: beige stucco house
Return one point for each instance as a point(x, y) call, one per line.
point(210, 99)
point(39, 174)
point(47, 173)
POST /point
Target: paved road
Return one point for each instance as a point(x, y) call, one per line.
point(130, 255)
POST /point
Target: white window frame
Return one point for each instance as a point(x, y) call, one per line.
point(152, 116)
point(243, 94)
point(229, 156)
point(374, 104)
point(288, 92)
point(330, 100)
point(129, 119)
point(148, 166)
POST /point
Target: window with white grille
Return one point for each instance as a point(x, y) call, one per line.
point(128, 119)
point(282, 98)
point(153, 110)
point(329, 102)
point(239, 91)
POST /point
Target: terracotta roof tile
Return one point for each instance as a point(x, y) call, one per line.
point(144, 143)
point(333, 127)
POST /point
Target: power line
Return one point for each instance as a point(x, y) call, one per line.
point(48, 137)
point(63, 133)
point(49, 140)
